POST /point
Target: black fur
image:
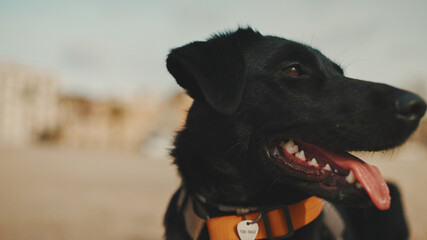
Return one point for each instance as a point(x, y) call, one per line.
point(244, 98)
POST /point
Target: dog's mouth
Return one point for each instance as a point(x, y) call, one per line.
point(332, 169)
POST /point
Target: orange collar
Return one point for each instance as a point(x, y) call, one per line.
point(273, 223)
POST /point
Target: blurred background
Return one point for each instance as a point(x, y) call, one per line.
point(88, 110)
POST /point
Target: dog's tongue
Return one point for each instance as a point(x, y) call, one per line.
point(367, 175)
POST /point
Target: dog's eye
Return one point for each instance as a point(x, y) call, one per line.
point(294, 70)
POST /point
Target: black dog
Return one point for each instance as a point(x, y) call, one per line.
point(270, 126)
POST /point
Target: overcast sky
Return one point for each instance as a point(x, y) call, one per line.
point(100, 47)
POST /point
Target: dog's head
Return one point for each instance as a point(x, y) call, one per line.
point(292, 114)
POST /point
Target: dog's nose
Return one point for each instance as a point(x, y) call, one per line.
point(410, 107)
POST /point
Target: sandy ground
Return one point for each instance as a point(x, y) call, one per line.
point(49, 193)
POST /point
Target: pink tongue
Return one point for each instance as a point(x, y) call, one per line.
point(367, 175)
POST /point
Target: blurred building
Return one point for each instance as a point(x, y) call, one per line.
point(172, 119)
point(32, 111)
point(144, 123)
point(108, 124)
point(28, 105)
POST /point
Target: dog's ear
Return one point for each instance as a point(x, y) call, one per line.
point(213, 70)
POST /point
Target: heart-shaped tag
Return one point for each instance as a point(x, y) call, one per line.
point(247, 230)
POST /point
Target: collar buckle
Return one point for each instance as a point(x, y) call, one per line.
point(268, 226)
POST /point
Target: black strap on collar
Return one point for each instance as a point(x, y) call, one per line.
point(209, 209)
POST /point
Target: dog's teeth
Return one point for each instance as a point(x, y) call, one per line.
point(350, 177)
point(294, 149)
point(313, 162)
point(327, 167)
point(301, 155)
point(335, 171)
point(290, 147)
point(358, 185)
point(290, 143)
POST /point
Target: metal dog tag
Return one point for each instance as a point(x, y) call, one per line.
point(247, 230)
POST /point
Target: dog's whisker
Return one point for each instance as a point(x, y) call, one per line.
point(272, 184)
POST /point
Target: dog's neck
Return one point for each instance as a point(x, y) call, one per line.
point(215, 162)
